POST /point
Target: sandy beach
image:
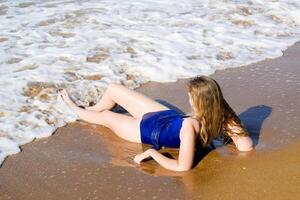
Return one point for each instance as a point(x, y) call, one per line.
point(86, 161)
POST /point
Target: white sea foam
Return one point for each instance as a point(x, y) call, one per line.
point(85, 45)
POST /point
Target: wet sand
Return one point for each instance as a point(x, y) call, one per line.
point(85, 161)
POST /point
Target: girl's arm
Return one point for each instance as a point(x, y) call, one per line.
point(186, 152)
point(242, 143)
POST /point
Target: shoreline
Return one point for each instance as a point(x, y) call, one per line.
point(80, 161)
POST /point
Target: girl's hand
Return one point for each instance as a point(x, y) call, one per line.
point(138, 158)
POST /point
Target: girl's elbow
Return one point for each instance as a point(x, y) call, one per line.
point(247, 148)
point(245, 145)
point(182, 168)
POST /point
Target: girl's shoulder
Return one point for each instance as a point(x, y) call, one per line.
point(193, 121)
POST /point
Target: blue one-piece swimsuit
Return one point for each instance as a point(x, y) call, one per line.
point(161, 128)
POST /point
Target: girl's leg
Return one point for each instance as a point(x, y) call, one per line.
point(105, 103)
point(124, 126)
point(134, 102)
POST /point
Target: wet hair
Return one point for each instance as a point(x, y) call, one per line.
point(217, 118)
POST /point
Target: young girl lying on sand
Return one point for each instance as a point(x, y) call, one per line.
point(155, 124)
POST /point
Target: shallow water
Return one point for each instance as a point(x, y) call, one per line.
point(85, 45)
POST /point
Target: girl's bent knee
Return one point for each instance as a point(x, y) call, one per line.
point(114, 85)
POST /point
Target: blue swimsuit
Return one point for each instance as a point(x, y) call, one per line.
point(161, 128)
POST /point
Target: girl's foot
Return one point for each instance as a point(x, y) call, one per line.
point(65, 97)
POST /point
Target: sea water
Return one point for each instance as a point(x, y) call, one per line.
point(85, 45)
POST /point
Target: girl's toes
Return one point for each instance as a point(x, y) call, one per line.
point(63, 94)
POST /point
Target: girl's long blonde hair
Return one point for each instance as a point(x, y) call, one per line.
point(212, 110)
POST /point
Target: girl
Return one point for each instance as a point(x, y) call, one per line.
point(155, 124)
